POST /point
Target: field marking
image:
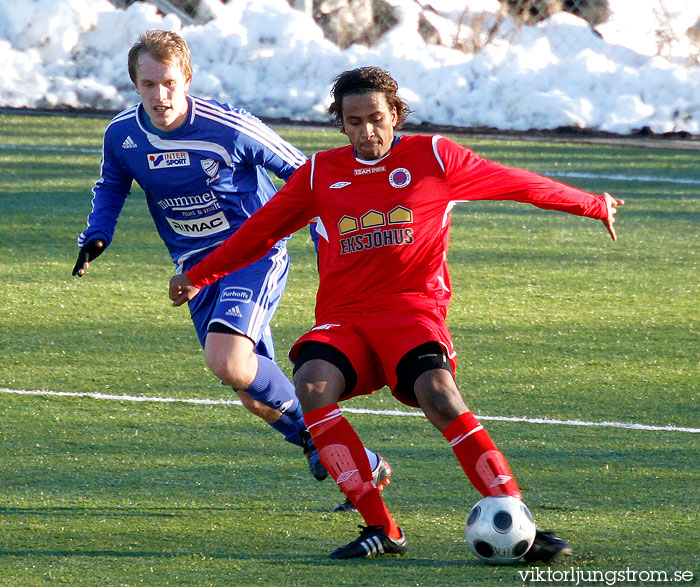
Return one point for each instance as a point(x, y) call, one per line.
point(399, 413)
point(619, 177)
point(65, 149)
point(554, 173)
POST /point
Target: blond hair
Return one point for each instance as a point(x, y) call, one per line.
point(164, 46)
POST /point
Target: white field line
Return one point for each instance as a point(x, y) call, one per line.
point(619, 177)
point(553, 173)
point(398, 413)
point(65, 149)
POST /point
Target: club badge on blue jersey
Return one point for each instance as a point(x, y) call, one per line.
point(210, 166)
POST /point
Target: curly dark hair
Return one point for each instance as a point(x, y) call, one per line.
point(365, 80)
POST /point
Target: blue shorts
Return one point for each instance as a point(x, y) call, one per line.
point(245, 300)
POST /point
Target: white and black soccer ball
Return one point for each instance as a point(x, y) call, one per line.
point(500, 529)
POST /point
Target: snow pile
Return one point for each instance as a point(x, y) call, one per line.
point(274, 61)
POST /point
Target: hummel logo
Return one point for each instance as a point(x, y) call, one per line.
point(235, 311)
point(501, 480)
point(339, 184)
point(129, 143)
point(285, 406)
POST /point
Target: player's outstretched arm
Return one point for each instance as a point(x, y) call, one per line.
point(181, 289)
point(87, 253)
point(612, 205)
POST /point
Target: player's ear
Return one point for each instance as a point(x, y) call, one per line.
point(188, 81)
point(394, 117)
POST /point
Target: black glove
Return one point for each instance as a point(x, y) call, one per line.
point(90, 250)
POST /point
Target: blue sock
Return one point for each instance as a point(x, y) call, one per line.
point(373, 458)
point(272, 388)
point(290, 424)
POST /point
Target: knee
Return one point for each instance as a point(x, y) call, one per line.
point(231, 358)
point(309, 395)
point(318, 384)
point(236, 374)
point(446, 402)
point(439, 398)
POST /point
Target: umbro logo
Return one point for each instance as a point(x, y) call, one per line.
point(501, 480)
point(339, 184)
point(345, 476)
point(129, 143)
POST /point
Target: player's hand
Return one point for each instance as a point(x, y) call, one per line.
point(181, 289)
point(612, 205)
point(90, 250)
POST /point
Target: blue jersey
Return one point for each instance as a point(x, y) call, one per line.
point(202, 180)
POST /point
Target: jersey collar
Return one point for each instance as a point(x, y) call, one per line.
point(375, 161)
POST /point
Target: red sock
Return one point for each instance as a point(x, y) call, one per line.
point(483, 463)
point(345, 459)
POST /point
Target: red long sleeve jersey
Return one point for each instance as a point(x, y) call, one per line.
point(384, 225)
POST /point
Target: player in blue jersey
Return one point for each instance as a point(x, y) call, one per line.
point(203, 167)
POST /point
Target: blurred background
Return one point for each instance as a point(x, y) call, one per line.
point(617, 66)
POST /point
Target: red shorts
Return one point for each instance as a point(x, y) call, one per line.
point(375, 341)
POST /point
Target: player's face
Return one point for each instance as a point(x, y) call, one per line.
point(369, 122)
point(163, 90)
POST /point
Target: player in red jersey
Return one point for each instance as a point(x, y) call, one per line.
point(382, 207)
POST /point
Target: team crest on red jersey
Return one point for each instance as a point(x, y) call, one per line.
point(400, 177)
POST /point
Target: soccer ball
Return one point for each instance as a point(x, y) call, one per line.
point(500, 529)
